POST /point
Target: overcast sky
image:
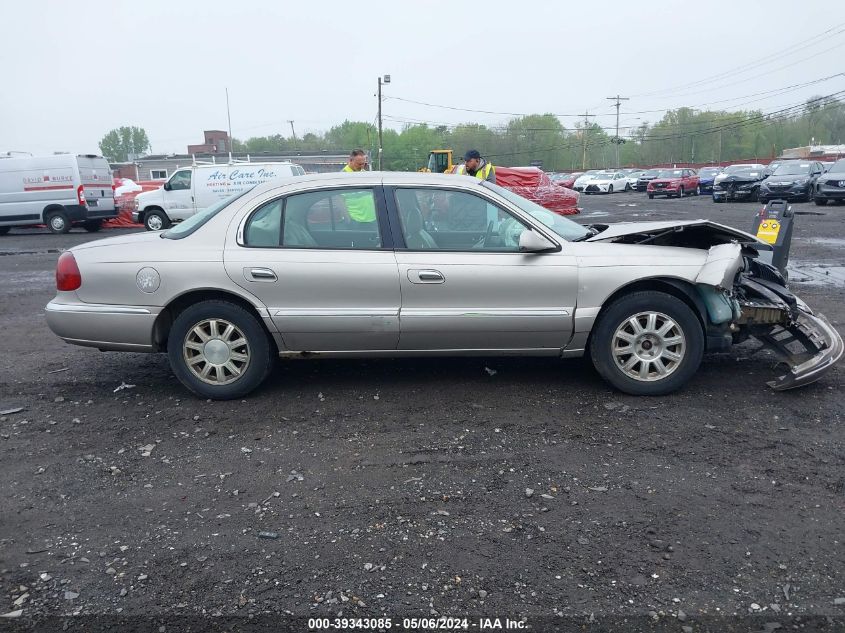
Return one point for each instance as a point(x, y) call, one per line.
point(71, 71)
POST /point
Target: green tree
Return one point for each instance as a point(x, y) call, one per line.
point(123, 143)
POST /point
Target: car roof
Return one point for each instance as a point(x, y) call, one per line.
point(372, 178)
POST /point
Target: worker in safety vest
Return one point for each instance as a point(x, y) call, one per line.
point(476, 166)
point(359, 205)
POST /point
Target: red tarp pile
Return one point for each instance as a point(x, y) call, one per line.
point(123, 199)
point(534, 184)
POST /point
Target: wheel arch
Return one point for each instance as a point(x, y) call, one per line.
point(164, 321)
point(52, 207)
point(678, 288)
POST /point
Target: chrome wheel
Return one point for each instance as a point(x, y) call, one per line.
point(154, 222)
point(648, 346)
point(216, 351)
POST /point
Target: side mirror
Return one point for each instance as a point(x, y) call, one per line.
point(532, 242)
point(166, 186)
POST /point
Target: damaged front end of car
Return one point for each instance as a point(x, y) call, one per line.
point(750, 297)
point(744, 296)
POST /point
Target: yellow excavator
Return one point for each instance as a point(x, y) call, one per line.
point(439, 162)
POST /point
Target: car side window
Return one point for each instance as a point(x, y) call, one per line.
point(181, 180)
point(331, 219)
point(264, 227)
point(448, 220)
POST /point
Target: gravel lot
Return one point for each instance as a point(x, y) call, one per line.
point(511, 488)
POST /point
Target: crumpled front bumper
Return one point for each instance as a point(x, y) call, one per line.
point(822, 344)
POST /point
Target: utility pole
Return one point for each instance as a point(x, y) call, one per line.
point(229, 119)
point(619, 101)
point(380, 149)
point(587, 116)
point(292, 131)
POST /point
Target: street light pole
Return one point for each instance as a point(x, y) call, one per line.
point(619, 101)
point(380, 148)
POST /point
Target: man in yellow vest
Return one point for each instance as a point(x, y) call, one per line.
point(359, 205)
point(476, 166)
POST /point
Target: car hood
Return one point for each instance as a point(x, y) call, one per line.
point(657, 181)
point(607, 232)
point(791, 178)
point(833, 175)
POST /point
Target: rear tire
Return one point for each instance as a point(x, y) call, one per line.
point(674, 353)
point(651, 196)
point(92, 226)
point(57, 222)
point(627, 187)
point(697, 190)
point(219, 350)
point(156, 220)
point(4, 229)
point(820, 202)
point(610, 189)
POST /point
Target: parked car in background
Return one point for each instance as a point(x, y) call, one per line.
point(632, 177)
point(581, 182)
point(647, 176)
point(60, 190)
point(468, 268)
point(569, 181)
point(706, 177)
point(739, 182)
point(830, 186)
point(674, 183)
point(791, 180)
point(607, 182)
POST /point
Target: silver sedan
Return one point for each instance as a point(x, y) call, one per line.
point(403, 264)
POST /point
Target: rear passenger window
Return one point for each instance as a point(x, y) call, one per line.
point(331, 219)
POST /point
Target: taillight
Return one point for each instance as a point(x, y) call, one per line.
point(80, 194)
point(68, 276)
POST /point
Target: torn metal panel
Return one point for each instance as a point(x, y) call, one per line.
point(723, 263)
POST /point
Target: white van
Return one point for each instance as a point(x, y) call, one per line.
point(59, 191)
point(194, 188)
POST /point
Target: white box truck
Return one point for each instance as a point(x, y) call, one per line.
point(192, 189)
point(60, 191)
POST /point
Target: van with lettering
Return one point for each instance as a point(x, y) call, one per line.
point(61, 191)
point(192, 189)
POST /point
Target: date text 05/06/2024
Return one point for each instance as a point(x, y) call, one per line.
point(417, 624)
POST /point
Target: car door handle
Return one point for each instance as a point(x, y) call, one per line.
point(261, 274)
point(426, 276)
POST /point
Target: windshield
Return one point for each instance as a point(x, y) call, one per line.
point(837, 167)
point(567, 229)
point(651, 173)
point(604, 175)
point(635, 174)
point(793, 169)
point(742, 169)
point(706, 172)
point(670, 173)
point(183, 229)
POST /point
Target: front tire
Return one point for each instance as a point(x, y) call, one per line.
point(610, 189)
point(651, 196)
point(647, 344)
point(57, 222)
point(219, 350)
point(680, 192)
point(821, 202)
point(92, 226)
point(4, 230)
point(156, 220)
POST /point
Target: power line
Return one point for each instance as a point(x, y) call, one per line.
point(749, 66)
